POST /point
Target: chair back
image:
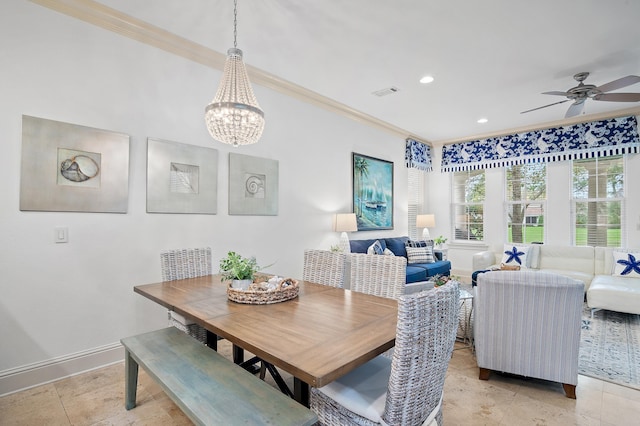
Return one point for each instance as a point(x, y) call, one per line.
point(528, 323)
point(185, 263)
point(324, 267)
point(426, 332)
point(379, 275)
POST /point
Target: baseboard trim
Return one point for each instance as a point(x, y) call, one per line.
point(40, 373)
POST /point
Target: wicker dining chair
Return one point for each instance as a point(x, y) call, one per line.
point(324, 267)
point(180, 264)
point(408, 389)
point(196, 262)
point(378, 274)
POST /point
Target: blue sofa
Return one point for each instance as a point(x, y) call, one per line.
point(416, 272)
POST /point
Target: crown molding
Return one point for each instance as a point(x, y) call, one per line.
point(120, 23)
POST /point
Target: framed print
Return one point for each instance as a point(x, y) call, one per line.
point(372, 192)
point(253, 185)
point(181, 178)
point(71, 168)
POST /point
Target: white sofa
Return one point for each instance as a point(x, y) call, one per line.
point(593, 266)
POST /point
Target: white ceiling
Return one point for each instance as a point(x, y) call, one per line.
point(489, 58)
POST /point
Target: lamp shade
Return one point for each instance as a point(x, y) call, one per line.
point(425, 221)
point(345, 222)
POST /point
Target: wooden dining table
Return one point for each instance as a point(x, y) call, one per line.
point(318, 336)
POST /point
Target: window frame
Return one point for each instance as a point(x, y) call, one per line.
point(458, 226)
point(596, 241)
point(526, 201)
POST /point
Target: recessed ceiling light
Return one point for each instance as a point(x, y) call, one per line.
point(482, 120)
point(426, 79)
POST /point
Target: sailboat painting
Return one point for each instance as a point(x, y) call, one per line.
point(372, 192)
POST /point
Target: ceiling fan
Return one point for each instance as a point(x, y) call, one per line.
point(582, 92)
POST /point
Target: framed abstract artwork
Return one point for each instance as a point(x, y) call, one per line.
point(372, 192)
point(253, 185)
point(181, 178)
point(71, 168)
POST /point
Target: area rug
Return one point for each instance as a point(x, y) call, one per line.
point(610, 347)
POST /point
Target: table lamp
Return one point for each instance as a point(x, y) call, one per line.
point(345, 222)
point(425, 221)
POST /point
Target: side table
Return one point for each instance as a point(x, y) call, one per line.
point(466, 312)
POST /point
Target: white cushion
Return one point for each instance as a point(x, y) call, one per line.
point(576, 275)
point(364, 390)
point(388, 252)
point(515, 255)
point(615, 294)
point(626, 264)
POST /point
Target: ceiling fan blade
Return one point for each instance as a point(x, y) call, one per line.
point(619, 83)
point(618, 97)
point(574, 109)
point(556, 92)
point(555, 103)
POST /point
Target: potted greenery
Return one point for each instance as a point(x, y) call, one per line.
point(439, 241)
point(239, 270)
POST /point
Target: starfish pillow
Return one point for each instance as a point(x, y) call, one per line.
point(626, 264)
point(514, 255)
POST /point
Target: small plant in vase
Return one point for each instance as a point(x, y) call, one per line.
point(439, 241)
point(239, 270)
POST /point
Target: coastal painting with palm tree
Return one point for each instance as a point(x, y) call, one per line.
point(372, 192)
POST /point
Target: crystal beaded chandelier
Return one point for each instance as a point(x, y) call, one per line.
point(234, 116)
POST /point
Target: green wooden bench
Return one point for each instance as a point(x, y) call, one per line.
point(210, 389)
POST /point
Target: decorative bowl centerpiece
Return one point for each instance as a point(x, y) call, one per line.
point(265, 290)
point(247, 287)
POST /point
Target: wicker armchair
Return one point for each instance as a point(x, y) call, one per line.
point(378, 274)
point(528, 323)
point(408, 389)
point(186, 263)
point(324, 267)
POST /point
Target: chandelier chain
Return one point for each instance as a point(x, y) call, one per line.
point(235, 23)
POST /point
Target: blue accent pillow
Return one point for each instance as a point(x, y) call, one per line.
point(396, 245)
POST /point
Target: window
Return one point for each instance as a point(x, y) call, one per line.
point(598, 197)
point(525, 199)
point(468, 208)
point(416, 199)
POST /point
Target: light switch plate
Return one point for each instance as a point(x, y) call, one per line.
point(61, 235)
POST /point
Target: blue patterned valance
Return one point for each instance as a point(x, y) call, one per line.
point(585, 140)
point(417, 155)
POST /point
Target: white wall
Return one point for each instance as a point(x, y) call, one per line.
point(61, 300)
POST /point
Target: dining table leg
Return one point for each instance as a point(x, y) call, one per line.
point(212, 340)
point(301, 392)
point(238, 354)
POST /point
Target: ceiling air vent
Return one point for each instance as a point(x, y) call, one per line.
point(384, 92)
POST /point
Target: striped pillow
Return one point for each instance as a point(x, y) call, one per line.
point(420, 255)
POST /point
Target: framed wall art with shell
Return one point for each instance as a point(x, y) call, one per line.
point(73, 168)
point(253, 185)
point(181, 178)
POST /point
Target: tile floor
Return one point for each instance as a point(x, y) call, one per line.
point(97, 398)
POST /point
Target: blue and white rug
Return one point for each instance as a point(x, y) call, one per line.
point(610, 347)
